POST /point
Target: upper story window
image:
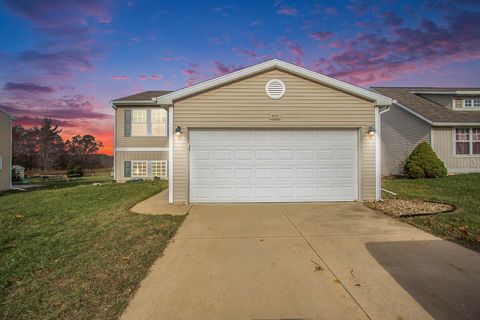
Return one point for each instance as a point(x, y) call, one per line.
point(471, 103)
point(467, 141)
point(139, 122)
point(146, 122)
point(159, 122)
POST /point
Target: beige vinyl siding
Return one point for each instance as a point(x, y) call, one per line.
point(138, 142)
point(401, 133)
point(122, 156)
point(244, 104)
point(5, 149)
point(443, 144)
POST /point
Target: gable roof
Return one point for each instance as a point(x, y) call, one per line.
point(379, 99)
point(8, 114)
point(142, 97)
point(428, 110)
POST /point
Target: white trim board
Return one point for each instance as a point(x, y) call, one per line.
point(168, 99)
point(142, 149)
point(170, 155)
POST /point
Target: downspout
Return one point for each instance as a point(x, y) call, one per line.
point(378, 151)
point(11, 152)
point(114, 142)
point(170, 154)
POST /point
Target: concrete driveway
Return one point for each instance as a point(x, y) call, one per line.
point(307, 261)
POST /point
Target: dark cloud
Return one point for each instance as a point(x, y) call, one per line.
point(34, 121)
point(55, 13)
point(30, 87)
point(60, 63)
point(392, 19)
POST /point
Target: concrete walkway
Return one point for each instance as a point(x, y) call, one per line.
point(307, 261)
point(158, 204)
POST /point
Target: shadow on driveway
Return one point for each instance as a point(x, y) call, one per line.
point(441, 276)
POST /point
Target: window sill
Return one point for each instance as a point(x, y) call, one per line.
point(466, 155)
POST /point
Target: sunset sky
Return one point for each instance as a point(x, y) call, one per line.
point(67, 59)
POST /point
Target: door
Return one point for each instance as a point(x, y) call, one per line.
point(280, 165)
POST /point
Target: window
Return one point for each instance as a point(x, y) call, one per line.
point(152, 122)
point(159, 169)
point(467, 141)
point(139, 168)
point(147, 169)
point(471, 103)
point(139, 122)
point(159, 122)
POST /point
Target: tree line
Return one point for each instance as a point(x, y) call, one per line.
point(42, 147)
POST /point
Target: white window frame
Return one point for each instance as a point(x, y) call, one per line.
point(164, 170)
point(148, 122)
point(133, 174)
point(469, 140)
point(474, 103)
point(165, 123)
point(134, 123)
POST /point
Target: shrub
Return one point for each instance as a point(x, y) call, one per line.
point(424, 163)
point(74, 170)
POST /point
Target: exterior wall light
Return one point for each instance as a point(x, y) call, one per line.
point(371, 130)
point(178, 130)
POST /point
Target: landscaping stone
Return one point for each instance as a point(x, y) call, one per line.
point(410, 207)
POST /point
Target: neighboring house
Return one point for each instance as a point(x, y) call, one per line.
point(447, 118)
point(273, 132)
point(5, 150)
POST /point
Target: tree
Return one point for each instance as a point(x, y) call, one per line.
point(23, 147)
point(82, 148)
point(49, 144)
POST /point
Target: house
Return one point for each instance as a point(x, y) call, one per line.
point(272, 132)
point(447, 118)
point(5, 150)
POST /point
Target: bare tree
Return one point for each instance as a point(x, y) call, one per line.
point(49, 144)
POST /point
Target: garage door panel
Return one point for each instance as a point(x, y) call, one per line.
point(273, 165)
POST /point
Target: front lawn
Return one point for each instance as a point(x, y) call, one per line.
point(77, 252)
point(462, 226)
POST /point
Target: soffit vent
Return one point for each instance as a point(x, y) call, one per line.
point(275, 88)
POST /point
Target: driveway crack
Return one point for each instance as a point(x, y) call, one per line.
point(285, 213)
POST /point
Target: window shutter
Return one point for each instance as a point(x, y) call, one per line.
point(127, 169)
point(128, 123)
point(149, 122)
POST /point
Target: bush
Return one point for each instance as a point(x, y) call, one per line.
point(424, 163)
point(74, 170)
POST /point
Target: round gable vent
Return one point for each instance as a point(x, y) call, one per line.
point(275, 89)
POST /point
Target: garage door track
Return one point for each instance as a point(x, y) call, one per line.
point(307, 261)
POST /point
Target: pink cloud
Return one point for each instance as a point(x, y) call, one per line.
point(295, 49)
point(321, 35)
point(192, 73)
point(287, 11)
point(331, 11)
point(155, 77)
point(120, 78)
point(370, 57)
point(142, 77)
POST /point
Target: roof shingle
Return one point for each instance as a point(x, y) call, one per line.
point(427, 108)
point(143, 96)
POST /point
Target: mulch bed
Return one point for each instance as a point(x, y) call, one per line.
point(410, 207)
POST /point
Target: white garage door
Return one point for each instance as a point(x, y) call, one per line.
point(273, 165)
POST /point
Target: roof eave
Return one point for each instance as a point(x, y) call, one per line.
point(378, 99)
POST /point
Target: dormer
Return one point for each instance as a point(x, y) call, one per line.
point(461, 99)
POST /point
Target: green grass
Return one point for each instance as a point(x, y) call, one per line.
point(462, 226)
point(77, 252)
